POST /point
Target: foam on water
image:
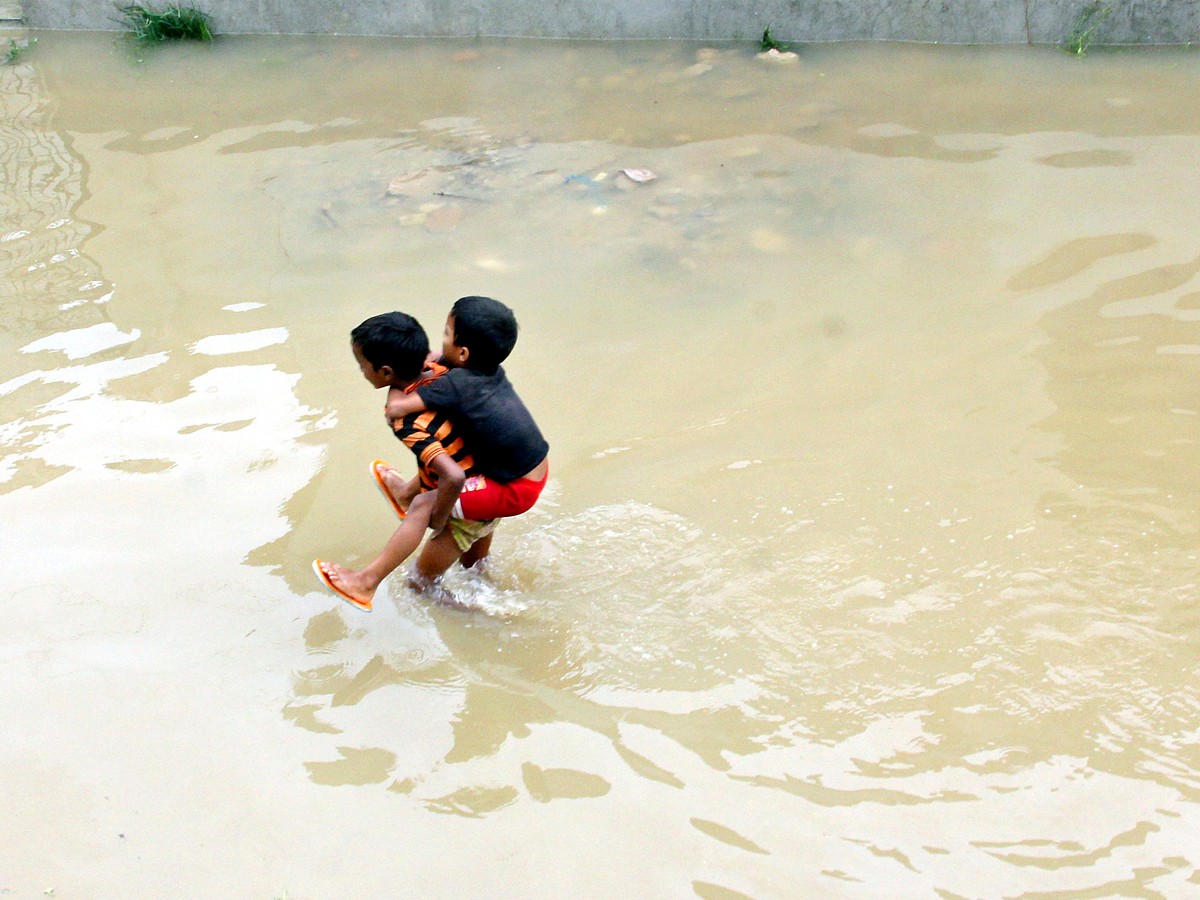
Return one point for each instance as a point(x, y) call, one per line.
point(480, 589)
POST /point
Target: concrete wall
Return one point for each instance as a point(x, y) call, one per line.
point(946, 21)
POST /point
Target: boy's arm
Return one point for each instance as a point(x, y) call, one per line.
point(411, 430)
point(450, 481)
point(400, 404)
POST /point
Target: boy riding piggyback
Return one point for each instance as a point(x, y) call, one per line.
point(511, 456)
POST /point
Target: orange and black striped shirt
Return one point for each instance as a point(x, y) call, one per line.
point(429, 434)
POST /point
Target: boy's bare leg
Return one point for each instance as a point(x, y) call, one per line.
point(362, 583)
point(478, 551)
point(440, 553)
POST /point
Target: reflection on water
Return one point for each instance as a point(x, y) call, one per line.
point(868, 563)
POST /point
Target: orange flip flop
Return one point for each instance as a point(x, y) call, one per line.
point(327, 582)
point(383, 488)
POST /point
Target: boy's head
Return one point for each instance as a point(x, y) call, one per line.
point(390, 349)
point(480, 333)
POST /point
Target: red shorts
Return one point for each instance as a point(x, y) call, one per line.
point(482, 498)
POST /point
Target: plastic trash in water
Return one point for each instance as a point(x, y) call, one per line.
point(641, 176)
point(592, 187)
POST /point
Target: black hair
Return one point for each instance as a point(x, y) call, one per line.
point(487, 328)
point(393, 339)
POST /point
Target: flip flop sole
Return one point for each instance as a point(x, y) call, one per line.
point(383, 488)
point(334, 589)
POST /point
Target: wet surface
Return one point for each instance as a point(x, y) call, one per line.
point(867, 564)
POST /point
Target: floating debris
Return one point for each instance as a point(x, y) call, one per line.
point(593, 188)
point(396, 187)
point(641, 176)
point(474, 198)
point(582, 181)
point(773, 55)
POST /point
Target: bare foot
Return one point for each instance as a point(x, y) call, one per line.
point(396, 485)
point(353, 587)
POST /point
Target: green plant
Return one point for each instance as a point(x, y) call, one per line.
point(16, 48)
point(174, 23)
point(769, 43)
point(1083, 35)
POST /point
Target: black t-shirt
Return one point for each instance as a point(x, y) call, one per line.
point(494, 423)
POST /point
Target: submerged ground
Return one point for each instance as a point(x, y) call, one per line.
point(868, 563)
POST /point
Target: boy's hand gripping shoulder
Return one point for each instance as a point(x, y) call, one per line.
point(400, 404)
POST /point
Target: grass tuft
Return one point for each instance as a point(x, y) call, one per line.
point(769, 43)
point(15, 49)
point(174, 23)
point(1083, 35)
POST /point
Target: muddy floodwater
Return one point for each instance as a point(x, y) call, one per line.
point(868, 562)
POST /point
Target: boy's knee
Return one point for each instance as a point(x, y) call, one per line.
point(422, 504)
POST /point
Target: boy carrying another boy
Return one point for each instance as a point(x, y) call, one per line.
point(509, 451)
point(391, 351)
